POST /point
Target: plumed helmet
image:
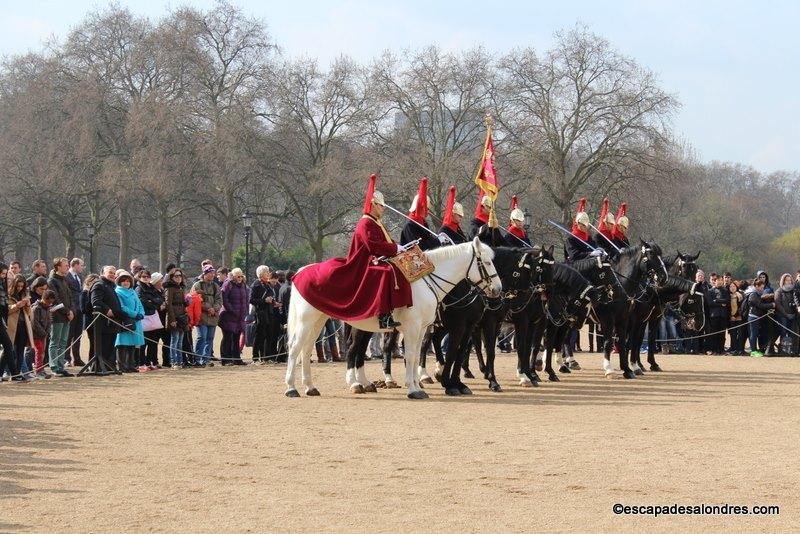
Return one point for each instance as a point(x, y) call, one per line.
point(610, 220)
point(377, 198)
point(582, 218)
point(486, 202)
point(458, 209)
point(415, 201)
point(517, 215)
point(623, 221)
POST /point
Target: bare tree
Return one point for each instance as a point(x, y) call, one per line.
point(582, 112)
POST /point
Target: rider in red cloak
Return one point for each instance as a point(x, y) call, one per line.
point(516, 226)
point(356, 287)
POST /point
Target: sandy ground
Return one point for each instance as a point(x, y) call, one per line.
point(223, 450)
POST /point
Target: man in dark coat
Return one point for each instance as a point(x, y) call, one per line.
point(719, 303)
point(59, 330)
point(105, 302)
point(416, 227)
point(453, 215)
point(74, 278)
point(264, 297)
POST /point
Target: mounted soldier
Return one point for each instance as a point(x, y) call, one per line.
point(416, 227)
point(358, 287)
point(620, 231)
point(453, 215)
point(580, 244)
point(605, 229)
point(517, 236)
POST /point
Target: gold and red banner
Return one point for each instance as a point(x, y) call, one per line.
point(486, 177)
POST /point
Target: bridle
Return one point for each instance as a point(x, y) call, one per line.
point(484, 283)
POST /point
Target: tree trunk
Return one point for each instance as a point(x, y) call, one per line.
point(41, 233)
point(124, 236)
point(163, 239)
point(230, 227)
point(71, 245)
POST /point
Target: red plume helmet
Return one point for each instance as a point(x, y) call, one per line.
point(448, 210)
point(370, 192)
point(513, 203)
point(621, 212)
point(420, 210)
point(601, 222)
point(581, 207)
point(480, 212)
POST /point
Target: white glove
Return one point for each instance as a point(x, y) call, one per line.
point(597, 252)
point(444, 239)
point(400, 248)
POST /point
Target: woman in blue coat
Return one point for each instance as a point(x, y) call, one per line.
point(132, 334)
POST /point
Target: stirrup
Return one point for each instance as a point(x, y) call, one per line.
point(387, 322)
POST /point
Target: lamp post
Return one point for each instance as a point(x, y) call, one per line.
point(90, 233)
point(247, 221)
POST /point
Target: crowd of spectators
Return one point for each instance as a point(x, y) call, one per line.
point(125, 315)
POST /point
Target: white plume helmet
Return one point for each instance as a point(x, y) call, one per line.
point(582, 218)
point(458, 209)
point(413, 207)
point(517, 215)
point(377, 198)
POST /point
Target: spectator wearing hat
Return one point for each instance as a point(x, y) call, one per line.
point(131, 336)
point(85, 307)
point(152, 300)
point(235, 303)
point(211, 303)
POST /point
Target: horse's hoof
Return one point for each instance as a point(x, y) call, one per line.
point(370, 388)
point(575, 366)
point(552, 377)
point(539, 366)
point(417, 395)
point(628, 374)
point(391, 384)
point(536, 379)
point(438, 376)
point(313, 392)
point(464, 389)
point(379, 384)
point(425, 379)
point(495, 387)
point(453, 392)
point(564, 369)
point(609, 374)
point(655, 367)
point(638, 372)
point(292, 393)
point(528, 384)
point(468, 374)
point(357, 389)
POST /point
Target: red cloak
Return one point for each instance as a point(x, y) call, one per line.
point(519, 232)
point(354, 288)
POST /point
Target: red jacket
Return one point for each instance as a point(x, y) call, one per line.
point(354, 288)
point(195, 308)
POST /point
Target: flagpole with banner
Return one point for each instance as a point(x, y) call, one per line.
point(486, 178)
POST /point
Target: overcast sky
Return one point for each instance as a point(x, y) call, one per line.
point(735, 66)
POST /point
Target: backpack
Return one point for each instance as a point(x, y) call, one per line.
point(745, 307)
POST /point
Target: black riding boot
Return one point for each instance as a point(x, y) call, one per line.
point(386, 321)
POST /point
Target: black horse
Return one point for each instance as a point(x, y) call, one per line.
point(568, 305)
point(683, 265)
point(637, 268)
point(690, 304)
point(520, 271)
point(520, 307)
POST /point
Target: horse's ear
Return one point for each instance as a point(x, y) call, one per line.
point(551, 249)
point(476, 243)
point(642, 242)
point(680, 254)
point(698, 254)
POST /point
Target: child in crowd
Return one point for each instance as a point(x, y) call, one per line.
point(41, 327)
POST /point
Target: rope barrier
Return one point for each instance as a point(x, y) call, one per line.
point(711, 333)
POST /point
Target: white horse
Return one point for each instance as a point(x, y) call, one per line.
point(472, 261)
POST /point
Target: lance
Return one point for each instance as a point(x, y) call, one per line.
point(571, 234)
point(434, 234)
point(604, 237)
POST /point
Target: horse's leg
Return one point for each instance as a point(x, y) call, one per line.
point(537, 331)
point(550, 343)
point(490, 327)
point(464, 359)
point(607, 328)
point(451, 369)
point(477, 340)
point(301, 337)
point(522, 339)
point(635, 346)
point(427, 341)
point(438, 340)
point(356, 377)
point(412, 335)
point(389, 344)
point(350, 357)
point(311, 391)
point(622, 329)
point(461, 356)
point(651, 342)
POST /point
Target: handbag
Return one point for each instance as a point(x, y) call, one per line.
point(182, 321)
point(152, 322)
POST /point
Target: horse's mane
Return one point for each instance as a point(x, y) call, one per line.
point(677, 284)
point(583, 264)
point(631, 251)
point(566, 276)
point(454, 251)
